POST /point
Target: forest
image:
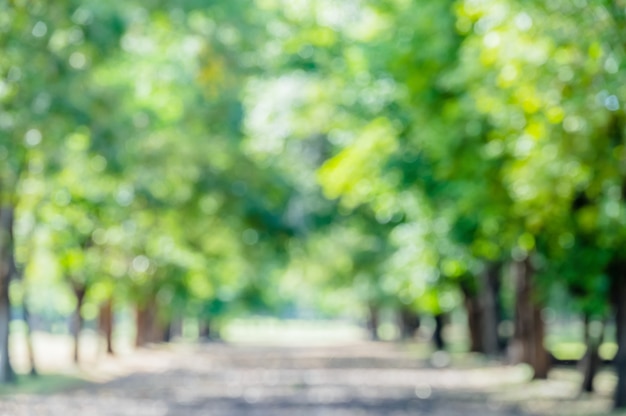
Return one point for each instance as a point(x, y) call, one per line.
point(196, 161)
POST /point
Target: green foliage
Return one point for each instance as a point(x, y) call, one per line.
point(231, 157)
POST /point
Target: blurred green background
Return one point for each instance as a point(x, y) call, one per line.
point(169, 168)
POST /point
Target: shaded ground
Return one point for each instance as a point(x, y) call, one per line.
point(217, 379)
point(348, 379)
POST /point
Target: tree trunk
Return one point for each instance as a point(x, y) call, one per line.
point(540, 356)
point(205, 330)
point(438, 333)
point(619, 291)
point(474, 321)
point(77, 321)
point(527, 345)
point(29, 338)
point(372, 323)
point(176, 327)
point(149, 329)
point(482, 304)
point(166, 334)
point(590, 363)
point(490, 302)
point(409, 322)
point(144, 320)
point(6, 263)
point(106, 324)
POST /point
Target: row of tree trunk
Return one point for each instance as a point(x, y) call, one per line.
point(527, 345)
point(483, 307)
point(484, 318)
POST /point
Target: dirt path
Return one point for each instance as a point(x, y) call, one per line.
point(360, 379)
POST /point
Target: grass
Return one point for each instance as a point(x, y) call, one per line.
point(559, 395)
point(41, 384)
point(567, 350)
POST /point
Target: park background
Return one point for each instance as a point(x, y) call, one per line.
point(186, 170)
